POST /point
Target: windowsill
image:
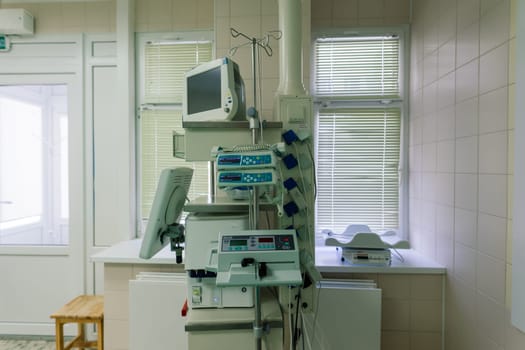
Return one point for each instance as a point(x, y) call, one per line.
point(328, 259)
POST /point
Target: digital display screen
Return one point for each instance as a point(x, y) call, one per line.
point(204, 91)
point(230, 160)
point(266, 240)
point(230, 177)
point(238, 242)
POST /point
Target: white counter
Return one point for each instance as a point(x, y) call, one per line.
point(127, 252)
point(328, 259)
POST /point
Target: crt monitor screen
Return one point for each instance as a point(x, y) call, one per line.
point(204, 91)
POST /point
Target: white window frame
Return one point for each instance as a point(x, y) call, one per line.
point(402, 103)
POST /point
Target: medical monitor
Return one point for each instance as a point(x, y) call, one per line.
point(214, 91)
point(166, 210)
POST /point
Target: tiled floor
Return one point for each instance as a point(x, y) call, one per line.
point(21, 344)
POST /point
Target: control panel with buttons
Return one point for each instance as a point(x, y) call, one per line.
point(246, 178)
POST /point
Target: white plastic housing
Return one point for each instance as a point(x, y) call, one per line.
point(16, 22)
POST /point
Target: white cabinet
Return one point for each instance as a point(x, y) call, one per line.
point(155, 303)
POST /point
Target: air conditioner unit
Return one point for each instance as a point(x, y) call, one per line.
point(16, 22)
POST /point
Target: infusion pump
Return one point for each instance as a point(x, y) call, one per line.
point(258, 258)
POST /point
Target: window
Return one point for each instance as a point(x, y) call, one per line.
point(34, 198)
point(359, 125)
point(164, 65)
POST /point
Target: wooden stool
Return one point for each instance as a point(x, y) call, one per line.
point(83, 309)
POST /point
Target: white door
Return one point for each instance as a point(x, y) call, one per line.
point(42, 184)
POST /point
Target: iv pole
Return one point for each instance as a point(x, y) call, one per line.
point(254, 125)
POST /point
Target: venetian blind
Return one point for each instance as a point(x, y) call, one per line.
point(165, 65)
point(363, 67)
point(357, 168)
point(358, 144)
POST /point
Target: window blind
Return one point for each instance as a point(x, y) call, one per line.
point(165, 66)
point(363, 67)
point(357, 168)
point(157, 154)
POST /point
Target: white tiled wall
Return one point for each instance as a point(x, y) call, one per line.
point(465, 48)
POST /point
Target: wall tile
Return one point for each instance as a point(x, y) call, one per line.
point(430, 30)
point(205, 14)
point(493, 153)
point(430, 99)
point(466, 194)
point(395, 315)
point(467, 81)
point(465, 264)
point(101, 16)
point(345, 10)
point(445, 221)
point(447, 23)
point(271, 8)
point(426, 287)
point(116, 305)
point(425, 340)
point(467, 45)
point(493, 195)
point(514, 338)
point(222, 8)
point(445, 188)
point(321, 10)
point(184, 14)
point(446, 90)
point(446, 156)
point(245, 8)
point(416, 104)
point(429, 131)
point(488, 5)
point(428, 157)
point(74, 16)
point(394, 286)
point(425, 315)
point(49, 19)
point(116, 334)
point(445, 251)
point(467, 154)
point(468, 12)
point(415, 158)
point(493, 67)
point(222, 33)
point(490, 279)
point(160, 19)
point(430, 67)
point(490, 318)
point(395, 340)
point(371, 8)
point(493, 108)
point(494, 28)
point(397, 8)
point(116, 277)
point(467, 118)
point(465, 227)
point(492, 235)
point(446, 123)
